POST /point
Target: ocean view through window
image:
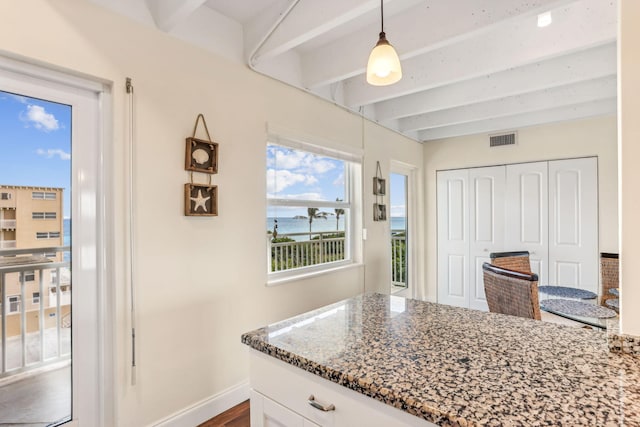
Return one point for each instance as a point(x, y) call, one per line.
point(310, 200)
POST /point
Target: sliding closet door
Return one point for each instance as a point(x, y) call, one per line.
point(486, 225)
point(527, 226)
point(573, 223)
point(453, 237)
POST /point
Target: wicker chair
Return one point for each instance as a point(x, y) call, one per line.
point(511, 292)
point(609, 273)
point(518, 261)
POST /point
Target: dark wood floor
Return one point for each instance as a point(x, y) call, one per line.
point(238, 416)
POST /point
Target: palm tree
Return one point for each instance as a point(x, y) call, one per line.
point(313, 213)
point(339, 212)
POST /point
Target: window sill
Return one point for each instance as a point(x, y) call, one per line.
point(275, 281)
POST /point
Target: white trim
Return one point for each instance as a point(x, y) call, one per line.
point(207, 408)
point(294, 139)
point(274, 281)
point(415, 253)
point(93, 369)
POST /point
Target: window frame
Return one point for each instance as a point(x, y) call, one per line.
point(17, 301)
point(352, 204)
point(35, 298)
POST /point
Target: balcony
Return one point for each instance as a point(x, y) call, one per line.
point(7, 244)
point(33, 324)
point(7, 224)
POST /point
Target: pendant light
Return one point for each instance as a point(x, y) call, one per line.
point(383, 67)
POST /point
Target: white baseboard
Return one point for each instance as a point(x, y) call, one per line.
point(207, 408)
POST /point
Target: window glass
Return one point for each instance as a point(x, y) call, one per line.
point(309, 204)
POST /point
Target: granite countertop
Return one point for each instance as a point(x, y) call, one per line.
point(453, 366)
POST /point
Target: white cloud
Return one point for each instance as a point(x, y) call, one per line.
point(40, 119)
point(339, 181)
point(279, 180)
point(300, 196)
point(398, 210)
point(298, 161)
point(51, 152)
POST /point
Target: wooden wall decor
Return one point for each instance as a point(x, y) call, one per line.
point(379, 212)
point(201, 156)
point(200, 200)
point(379, 190)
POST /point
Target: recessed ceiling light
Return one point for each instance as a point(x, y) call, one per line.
point(544, 19)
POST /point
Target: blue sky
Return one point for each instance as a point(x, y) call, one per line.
point(35, 144)
point(299, 175)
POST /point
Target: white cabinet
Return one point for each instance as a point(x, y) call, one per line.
point(527, 221)
point(267, 413)
point(547, 208)
point(573, 223)
point(280, 397)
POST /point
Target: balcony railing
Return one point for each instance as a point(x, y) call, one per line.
point(7, 244)
point(7, 224)
point(398, 258)
point(322, 247)
point(327, 246)
point(33, 327)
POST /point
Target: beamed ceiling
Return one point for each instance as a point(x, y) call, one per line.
point(469, 66)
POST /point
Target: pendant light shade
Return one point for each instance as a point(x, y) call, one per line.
point(383, 67)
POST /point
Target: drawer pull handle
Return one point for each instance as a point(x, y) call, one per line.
point(313, 402)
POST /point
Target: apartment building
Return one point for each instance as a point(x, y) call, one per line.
point(32, 217)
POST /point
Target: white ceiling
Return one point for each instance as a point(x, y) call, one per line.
point(469, 66)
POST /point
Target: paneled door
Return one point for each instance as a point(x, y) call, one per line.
point(453, 237)
point(486, 226)
point(573, 223)
point(526, 222)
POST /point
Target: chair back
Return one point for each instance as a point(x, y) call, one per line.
point(511, 292)
point(609, 273)
point(518, 261)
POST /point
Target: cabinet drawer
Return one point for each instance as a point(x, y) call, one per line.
point(291, 387)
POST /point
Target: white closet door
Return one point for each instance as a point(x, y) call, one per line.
point(453, 237)
point(527, 226)
point(573, 223)
point(486, 225)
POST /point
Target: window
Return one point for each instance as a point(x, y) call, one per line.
point(310, 209)
point(5, 196)
point(43, 215)
point(47, 235)
point(54, 276)
point(14, 303)
point(29, 276)
point(36, 298)
point(43, 195)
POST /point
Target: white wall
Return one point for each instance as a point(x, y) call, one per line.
point(589, 137)
point(629, 130)
point(200, 281)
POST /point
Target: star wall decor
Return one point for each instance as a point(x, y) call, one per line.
point(200, 200)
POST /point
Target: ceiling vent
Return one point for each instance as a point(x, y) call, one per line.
point(502, 139)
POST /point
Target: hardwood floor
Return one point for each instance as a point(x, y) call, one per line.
point(238, 416)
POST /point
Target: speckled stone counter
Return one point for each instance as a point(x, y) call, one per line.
point(454, 366)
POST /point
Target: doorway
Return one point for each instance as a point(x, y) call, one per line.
point(51, 193)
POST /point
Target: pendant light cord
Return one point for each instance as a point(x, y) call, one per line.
point(382, 16)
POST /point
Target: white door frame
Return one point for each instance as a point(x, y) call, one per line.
point(92, 254)
point(415, 241)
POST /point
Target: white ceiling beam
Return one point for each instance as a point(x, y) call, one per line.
point(590, 109)
point(577, 93)
point(580, 66)
point(169, 13)
point(424, 27)
point(514, 44)
point(310, 19)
